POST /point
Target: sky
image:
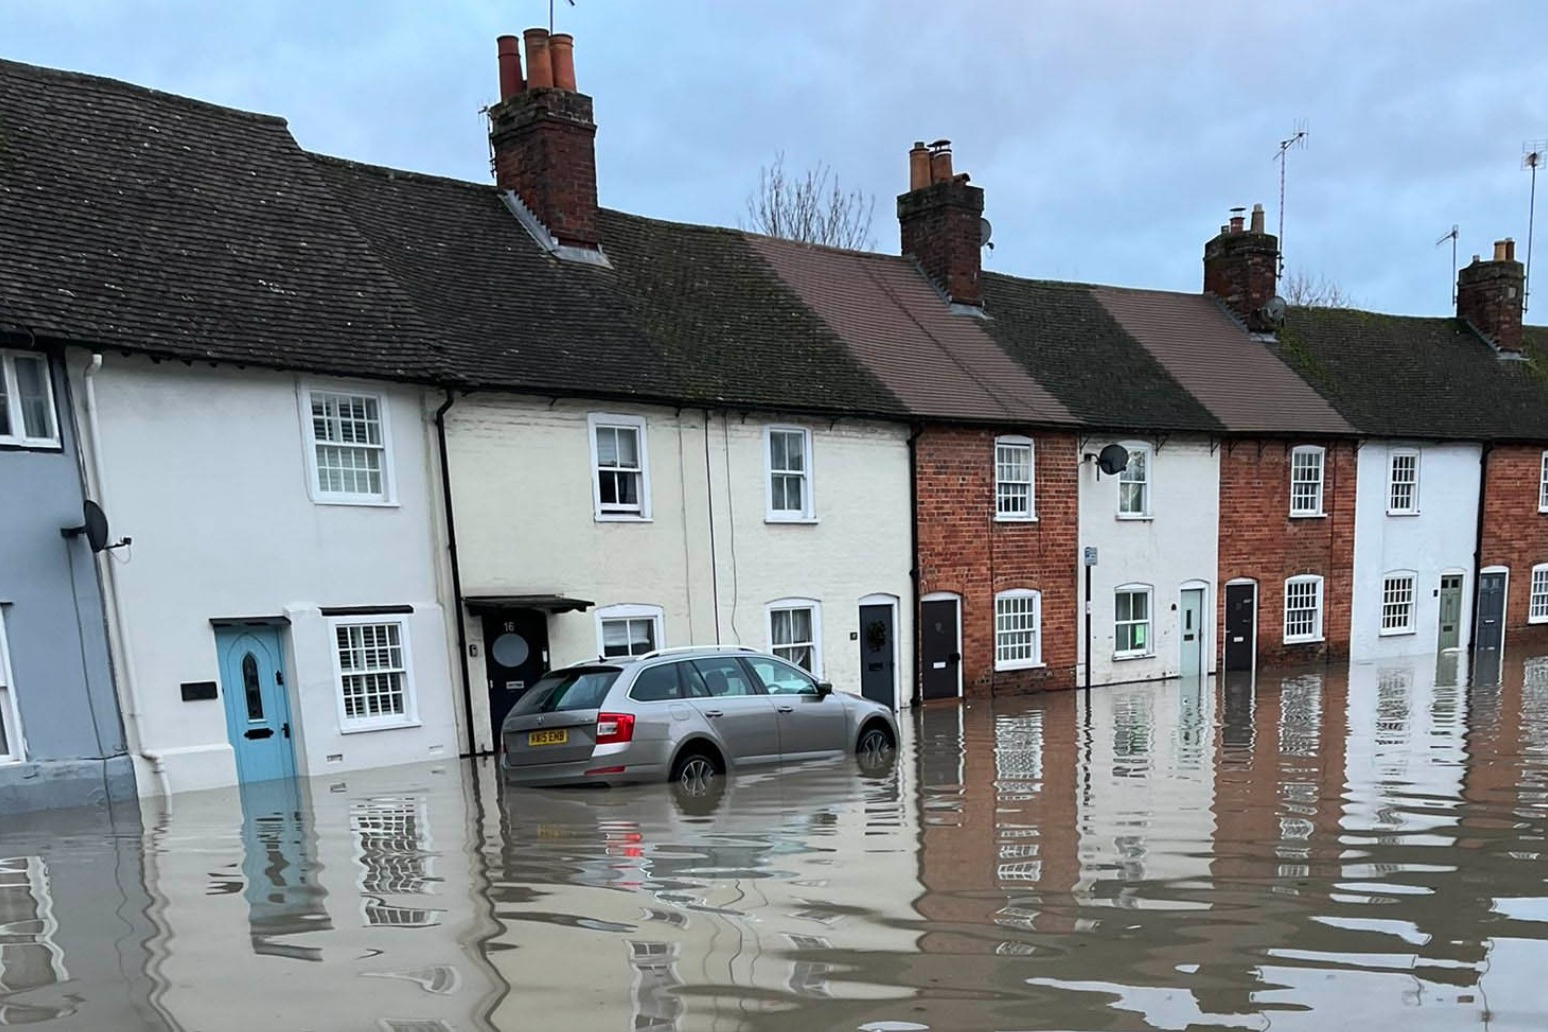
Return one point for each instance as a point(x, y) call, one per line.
point(1111, 136)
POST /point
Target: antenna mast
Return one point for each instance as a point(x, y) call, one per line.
point(551, 15)
point(1532, 157)
point(1296, 139)
point(1452, 236)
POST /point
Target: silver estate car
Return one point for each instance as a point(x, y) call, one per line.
point(684, 715)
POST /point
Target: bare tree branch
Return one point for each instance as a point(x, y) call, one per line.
point(1301, 290)
point(810, 207)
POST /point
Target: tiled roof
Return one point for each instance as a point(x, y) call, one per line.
point(1399, 376)
point(140, 220)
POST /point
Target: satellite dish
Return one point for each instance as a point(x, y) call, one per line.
point(94, 525)
point(1113, 459)
point(985, 233)
point(1274, 311)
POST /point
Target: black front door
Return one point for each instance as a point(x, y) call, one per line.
point(515, 655)
point(1241, 620)
point(942, 674)
point(1490, 646)
point(878, 670)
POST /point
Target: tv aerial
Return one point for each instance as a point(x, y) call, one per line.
point(1534, 154)
point(1452, 236)
point(1296, 140)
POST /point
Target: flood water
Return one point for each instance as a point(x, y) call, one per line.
point(1322, 850)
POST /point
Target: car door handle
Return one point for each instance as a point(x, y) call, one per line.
point(786, 709)
point(714, 713)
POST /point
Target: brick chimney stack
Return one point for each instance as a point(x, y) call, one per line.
point(1241, 268)
point(1489, 296)
point(544, 137)
point(941, 218)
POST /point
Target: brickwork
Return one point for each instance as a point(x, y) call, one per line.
point(1240, 268)
point(1515, 534)
point(545, 150)
point(963, 550)
point(1260, 541)
point(941, 230)
point(1489, 295)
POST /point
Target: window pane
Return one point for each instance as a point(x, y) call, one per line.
point(372, 669)
point(1539, 608)
point(656, 684)
point(5, 401)
point(607, 446)
point(1016, 629)
point(572, 690)
point(32, 390)
point(724, 677)
point(779, 679)
point(628, 447)
point(5, 702)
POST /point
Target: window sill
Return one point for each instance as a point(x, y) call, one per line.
point(1135, 517)
point(800, 521)
point(13, 444)
point(1014, 519)
point(1395, 632)
point(1402, 512)
point(1001, 668)
point(1308, 515)
point(621, 517)
point(359, 503)
point(379, 727)
point(1119, 657)
point(1537, 619)
point(1315, 640)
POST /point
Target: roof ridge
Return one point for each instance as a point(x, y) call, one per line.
point(46, 73)
point(389, 172)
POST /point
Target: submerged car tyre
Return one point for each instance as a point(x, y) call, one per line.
point(695, 768)
point(874, 748)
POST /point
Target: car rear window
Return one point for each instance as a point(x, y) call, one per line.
point(567, 690)
point(657, 684)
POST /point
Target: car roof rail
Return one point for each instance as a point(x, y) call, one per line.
point(695, 648)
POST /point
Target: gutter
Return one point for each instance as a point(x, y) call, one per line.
point(118, 626)
point(456, 570)
point(1483, 483)
point(917, 695)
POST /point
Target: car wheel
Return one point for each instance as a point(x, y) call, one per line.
point(694, 771)
point(875, 747)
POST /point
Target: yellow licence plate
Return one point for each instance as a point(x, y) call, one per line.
point(548, 737)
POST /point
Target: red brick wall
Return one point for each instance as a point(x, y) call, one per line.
point(963, 550)
point(1515, 534)
point(1259, 540)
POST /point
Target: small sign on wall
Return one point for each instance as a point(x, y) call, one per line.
point(199, 691)
point(1091, 556)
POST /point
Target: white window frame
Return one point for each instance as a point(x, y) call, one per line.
point(1538, 590)
point(388, 495)
point(784, 604)
point(1315, 634)
point(1542, 485)
point(1322, 479)
point(18, 436)
point(1393, 582)
point(1016, 441)
point(1036, 659)
point(410, 715)
point(808, 511)
point(1393, 509)
point(10, 715)
point(618, 514)
point(1149, 621)
point(42, 929)
point(630, 611)
point(1137, 448)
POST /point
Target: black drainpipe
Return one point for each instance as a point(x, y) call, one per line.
point(1483, 485)
point(456, 572)
point(913, 570)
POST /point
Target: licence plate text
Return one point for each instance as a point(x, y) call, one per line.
point(548, 737)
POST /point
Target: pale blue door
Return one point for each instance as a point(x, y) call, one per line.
point(252, 681)
point(1191, 633)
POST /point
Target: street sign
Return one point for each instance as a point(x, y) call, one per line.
point(1091, 556)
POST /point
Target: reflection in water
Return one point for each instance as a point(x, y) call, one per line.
point(1317, 850)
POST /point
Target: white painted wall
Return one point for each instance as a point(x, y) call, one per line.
point(522, 483)
point(206, 470)
point(1176, 546)
point(1439, 540)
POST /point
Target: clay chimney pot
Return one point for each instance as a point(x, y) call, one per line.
point(510, 67)
point(540, 68)
point(561, 51)
point(918, 166)
point(940, 165)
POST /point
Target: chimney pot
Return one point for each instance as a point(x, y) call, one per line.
point(561, 51)
point(540, 68)
point(1499, 251)
point(940, 163)
point(1257, 218)
point(509, 48)
point(1236, 223)
point(918, 166)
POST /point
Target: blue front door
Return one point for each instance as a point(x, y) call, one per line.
point(252, 680)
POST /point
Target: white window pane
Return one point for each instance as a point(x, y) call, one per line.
point(33, 393)
point(1539, 606)
point(628, 448)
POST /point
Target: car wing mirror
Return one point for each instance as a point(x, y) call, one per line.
point(824, 689)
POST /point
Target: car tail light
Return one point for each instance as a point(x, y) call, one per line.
point(615, 727)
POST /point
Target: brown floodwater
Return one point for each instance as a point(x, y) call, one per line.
point(1358, 848)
